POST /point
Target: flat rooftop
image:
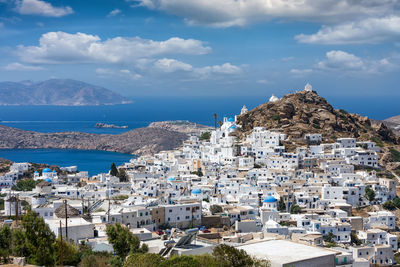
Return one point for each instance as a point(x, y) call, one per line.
point(284, 252)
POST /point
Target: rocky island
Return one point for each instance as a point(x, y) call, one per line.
point(145, 140)
point(101, 125)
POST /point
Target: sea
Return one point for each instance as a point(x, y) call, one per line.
point(141, 113)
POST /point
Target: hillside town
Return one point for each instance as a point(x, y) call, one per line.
point(317, 204)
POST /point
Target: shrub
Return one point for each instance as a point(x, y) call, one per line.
point(389, 205)
point(144, 260)
point(205, 136)
point(395, 154)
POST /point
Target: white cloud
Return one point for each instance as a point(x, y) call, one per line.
point(301, 72)
point(370, 30)
point(227, 13)
point(226, 68)
point(172, 65)
point(337, 60)
point(114, 12)
point(61, 47)
point(20, 67)
point(168, 65)
point(124, 73)
point(42, 8)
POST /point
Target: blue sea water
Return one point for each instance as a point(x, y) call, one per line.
point(143, 111)
point(87, 160)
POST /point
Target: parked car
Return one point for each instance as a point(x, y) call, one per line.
point(159, 232)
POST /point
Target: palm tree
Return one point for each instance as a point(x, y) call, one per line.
point(215, 120)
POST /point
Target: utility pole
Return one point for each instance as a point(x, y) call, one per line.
point(16, 208)
point(61, 245)
point(66, 220)
point(10, 201)
point(83, 205)
point(109, 208)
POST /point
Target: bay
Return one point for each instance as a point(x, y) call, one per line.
point(87, 160)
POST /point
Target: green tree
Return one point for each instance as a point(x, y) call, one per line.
point(230, 256)
point(5, 243)
point(70, 252)
point(207, 260)
point(95, 259)
point(389, 205)
point(215, 209)
point(25, 185)
point(205, 136)
point(34, 240)
point(396, 202)
point(295, 209)
point(354, 239)
point(181, 261)
point(144, 260)
point(123, 241)
point(370, 193)
point(123, 177)
point(330, 238)
point(113, 170)
point(281, 205)
point(116, 261)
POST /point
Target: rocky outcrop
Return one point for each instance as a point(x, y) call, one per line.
point(307, 112)
point(138, 141)
point(181, 126)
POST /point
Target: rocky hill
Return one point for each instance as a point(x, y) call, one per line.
point(138, 141)
point(64, 92)
point(307, 112)
point(181, 126)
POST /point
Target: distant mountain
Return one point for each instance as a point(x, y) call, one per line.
point(60, 92)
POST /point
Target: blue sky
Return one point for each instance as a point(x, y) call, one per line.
point(344, 48)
